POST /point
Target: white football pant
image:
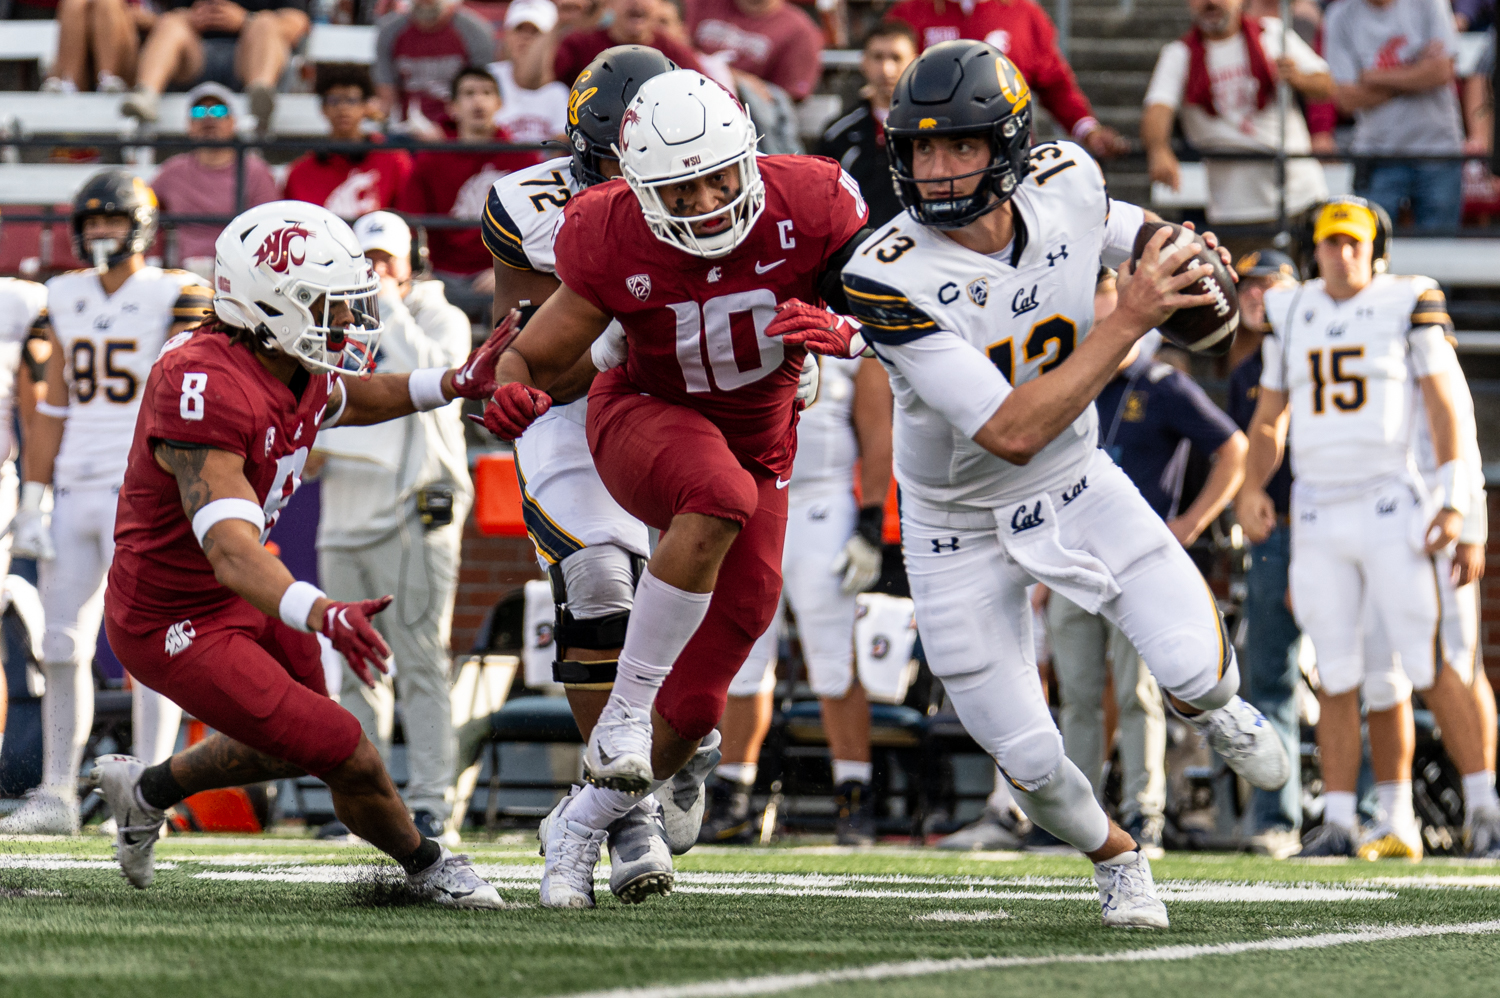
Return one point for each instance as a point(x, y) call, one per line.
point(72, 594)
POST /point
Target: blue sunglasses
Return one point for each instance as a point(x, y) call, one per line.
point(209, 111)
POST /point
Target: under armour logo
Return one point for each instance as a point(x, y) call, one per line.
point(1026, 519)
point(939, 546)
point(1061, 254)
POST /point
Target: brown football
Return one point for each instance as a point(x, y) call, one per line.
point(1206, 329)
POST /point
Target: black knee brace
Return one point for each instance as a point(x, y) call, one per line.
point(595, 634)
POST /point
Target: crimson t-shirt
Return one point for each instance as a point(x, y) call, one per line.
point(458, 184)
point(203, 389)
point(727, 368)
point(784, 48)
point(1018, 28)
point(349, 186)
point(577, 50)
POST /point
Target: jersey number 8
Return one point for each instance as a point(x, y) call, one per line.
point(86, 377)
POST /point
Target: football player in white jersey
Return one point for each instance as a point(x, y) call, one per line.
point(832, 553)
point(1351, 350)
point(980, 303)
point(1387, 691)
point(591, 549)
point(108, 326)
point(23, 316)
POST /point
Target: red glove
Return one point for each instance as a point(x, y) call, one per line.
point(821, 331)
point(347, 628)
point(514, 407)
point(476, 378)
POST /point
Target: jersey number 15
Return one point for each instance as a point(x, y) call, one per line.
point(1352, 398)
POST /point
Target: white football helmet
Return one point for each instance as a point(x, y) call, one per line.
point(280, 269)
point(683, 125)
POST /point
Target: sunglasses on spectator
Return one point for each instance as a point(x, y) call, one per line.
point(209, 111)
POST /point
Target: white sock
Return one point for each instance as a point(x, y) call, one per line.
point(155, 721)
point(1395, 803)
point(1121, 860)
point(67, 716)
point(600, 808)
point(845, 770)
point(662, 621)
point(1001, 800)
point(1479, 792)
point(738, 772)
point(1338, 807)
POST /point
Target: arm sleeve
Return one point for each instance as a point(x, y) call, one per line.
point(1169, 77)
point(383, 72)
point(888, 316)
point(502, 236)
point(952, 377)
point(1194, 416)
point(1430, 352)
point(201, 406)
point(1272, 374)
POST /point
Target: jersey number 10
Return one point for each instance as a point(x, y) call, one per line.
point(711, 333)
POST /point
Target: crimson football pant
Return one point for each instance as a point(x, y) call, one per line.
point(658, 460)
point(244, 674)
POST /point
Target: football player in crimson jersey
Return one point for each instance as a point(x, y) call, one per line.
point(695, 433)
point(196, 607)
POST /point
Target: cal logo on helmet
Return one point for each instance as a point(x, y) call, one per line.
point(577, 99)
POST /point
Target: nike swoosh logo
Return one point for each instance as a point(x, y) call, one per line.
point(605, 758)
point(768, 267)
point(781, 485)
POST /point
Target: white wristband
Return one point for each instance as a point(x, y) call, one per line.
point(32, 494)
point(426, 388)
point(227, 509)
point(297, 602)
point(1083, 126)
point(1453, 490)
point(55, 411)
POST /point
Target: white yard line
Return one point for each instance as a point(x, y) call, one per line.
point(779, 983)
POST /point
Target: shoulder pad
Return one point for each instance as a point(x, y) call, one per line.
point(502, 236)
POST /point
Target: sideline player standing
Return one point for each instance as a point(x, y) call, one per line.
point(108, 324)
point(1348, 348)
point(696, 432)
point(832, 553)
point(196, 607)
point(591, 549)
point(980, 304)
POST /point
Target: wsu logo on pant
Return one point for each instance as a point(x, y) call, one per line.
point(179, 636)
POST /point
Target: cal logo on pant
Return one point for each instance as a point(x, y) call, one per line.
point(179, 636)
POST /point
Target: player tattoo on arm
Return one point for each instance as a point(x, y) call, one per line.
point(220, 761)
point(186, 464)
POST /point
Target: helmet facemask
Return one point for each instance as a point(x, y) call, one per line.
point(325, 344)
point(998, 179)
point(743, 210)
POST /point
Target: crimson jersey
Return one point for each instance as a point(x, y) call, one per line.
point(202, 390)
point(695, 328)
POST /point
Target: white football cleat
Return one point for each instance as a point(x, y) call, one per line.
point(683, 796)
point(640, 862)
point(1248, 743)
point(1127, 894)
point(44, 813)
point(451, 881)
point(618, 756)
point(137, 826)
point(572, 851)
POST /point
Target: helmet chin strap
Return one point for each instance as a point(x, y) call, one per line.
point(101, 249)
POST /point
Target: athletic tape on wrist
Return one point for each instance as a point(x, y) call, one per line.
point(55, 411)
point(426, 388)
point(297, 602)
point(1453, 486)
point(32, 494)
point(227, 509)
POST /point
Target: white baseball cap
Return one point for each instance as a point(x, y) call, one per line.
point(538, 12)
point(385, 231)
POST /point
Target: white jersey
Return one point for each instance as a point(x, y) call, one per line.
point(958, 329)
point(109, 343)
point(23, 304)
point(1350, 369)
point(826, 446)
point(520, 219)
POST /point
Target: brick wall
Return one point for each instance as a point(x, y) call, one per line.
point(490, 567)
point(1489, 596)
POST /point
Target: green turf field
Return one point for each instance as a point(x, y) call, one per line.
point(273, 916)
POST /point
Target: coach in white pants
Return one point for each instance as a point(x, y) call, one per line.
point(394, 500)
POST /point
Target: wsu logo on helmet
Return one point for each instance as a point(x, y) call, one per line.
point(276, 251)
